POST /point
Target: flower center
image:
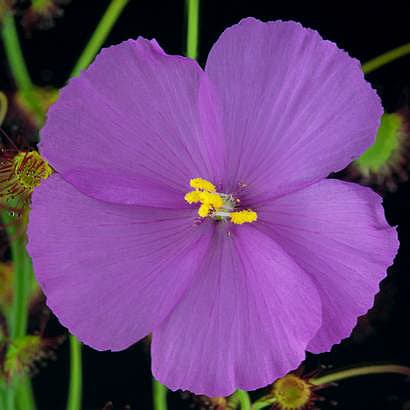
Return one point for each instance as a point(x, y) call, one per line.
point(216, 205)
point(291, 392)
point(30, 169)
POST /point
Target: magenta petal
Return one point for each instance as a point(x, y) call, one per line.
point(294, 106)
point(245, 321)
point(337, 233)
point(137, 114)
point(110, 272)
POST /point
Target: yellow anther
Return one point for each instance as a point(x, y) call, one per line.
point(199, 183)
point(212, 199)
point(193, 197)
point(204, 210)
point(244, 216)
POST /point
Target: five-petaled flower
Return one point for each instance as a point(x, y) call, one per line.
point(262, 257)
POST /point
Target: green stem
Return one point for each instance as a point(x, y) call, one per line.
point(361, 371)
point(24, 396)
point(18, 65)
point(240, 397)
point(192, 28)
point(14, 53)
point(262, 404)
point(159, 395)
point(21, 288)
point(10, 398)
point(92, 48)
point(386, 58)
point(159, 392)
point(3, 107)
point(99, 36)
point(75, 389)
point(3, 395)
point(21, 284)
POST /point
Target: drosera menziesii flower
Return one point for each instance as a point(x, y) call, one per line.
point(121, 251)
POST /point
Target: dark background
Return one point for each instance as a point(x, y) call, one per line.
point(382, 336)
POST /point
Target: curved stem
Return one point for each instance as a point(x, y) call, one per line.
point(14, 53)
point(262, 404)
point(159, 395)
point(386, 58)
point(192, 7)
point(76, 380)
point(99, 36)
point(361, 371)
point(17, 64)
point(241, 397)
point(3, 107)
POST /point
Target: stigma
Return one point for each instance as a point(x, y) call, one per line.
point(217, 206)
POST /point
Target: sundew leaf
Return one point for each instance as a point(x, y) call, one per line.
point(21, 354)
point(24, 353)
point(387, 143)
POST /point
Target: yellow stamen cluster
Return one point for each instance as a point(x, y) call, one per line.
point(217, 205)
point(205, 194)
point(241, 217)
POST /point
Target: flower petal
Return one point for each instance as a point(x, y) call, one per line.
point(138, 117)
point(294, 106)
point(337, 233)
point(110, 272)
point(245, 321)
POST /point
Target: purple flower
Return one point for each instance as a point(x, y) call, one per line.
point(279, 260)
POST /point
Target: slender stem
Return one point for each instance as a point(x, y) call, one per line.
point(192, 28)
point(14, 53)
point(159, 395)
point(21, 288)
point(75, 389)
point(10, 398)
point(159, 392)
point(3, 107)
point(99, 36)
point(22, 279)
point(240, 397)
point(25, 396)
point(3, 396)
point(361, 371)
point(92, 48)
point(17, 64)
point(386, 58)
point(262, 404)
